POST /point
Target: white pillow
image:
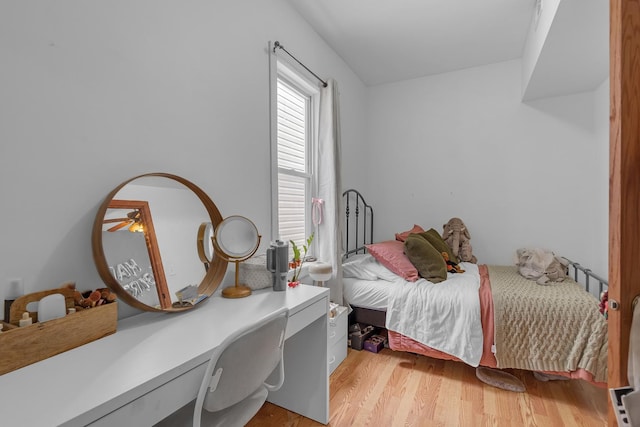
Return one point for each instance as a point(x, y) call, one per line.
point(366, 267)
point(357, 266)
point(382, 272)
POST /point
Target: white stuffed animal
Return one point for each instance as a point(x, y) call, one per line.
point(541, 265)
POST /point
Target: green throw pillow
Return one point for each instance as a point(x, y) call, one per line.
point(438, 242)
point(427, 259)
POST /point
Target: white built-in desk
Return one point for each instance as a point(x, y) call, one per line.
point(154, 363)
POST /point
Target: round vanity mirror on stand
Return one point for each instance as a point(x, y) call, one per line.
point(236, 239)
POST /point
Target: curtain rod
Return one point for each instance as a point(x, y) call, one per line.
point(277, 45)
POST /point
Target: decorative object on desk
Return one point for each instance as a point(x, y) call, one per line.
point(89, 299)
point(26, 320)
point(15, 290)
point(255, 274)
point(278, 264)
point(51, 307)
point(22, 346)
point(297, 262)
point(320, 272)
point(187, 293)
point(236, 239)
point(179, 208)
point(188, 296)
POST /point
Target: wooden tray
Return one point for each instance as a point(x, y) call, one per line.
point(29, 344)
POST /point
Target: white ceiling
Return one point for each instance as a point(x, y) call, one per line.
point(391, 40)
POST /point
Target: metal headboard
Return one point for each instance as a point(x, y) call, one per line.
point(588, 274)
point(358, 223)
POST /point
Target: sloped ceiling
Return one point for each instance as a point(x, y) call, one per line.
point(387, 41)
point(575, 55)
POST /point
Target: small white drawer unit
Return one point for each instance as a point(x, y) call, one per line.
point(337, 338)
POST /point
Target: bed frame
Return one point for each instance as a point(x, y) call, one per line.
point(359, 232)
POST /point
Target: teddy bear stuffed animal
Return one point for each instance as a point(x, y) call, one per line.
point(457, 236)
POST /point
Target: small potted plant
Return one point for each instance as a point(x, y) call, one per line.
point(297, 262)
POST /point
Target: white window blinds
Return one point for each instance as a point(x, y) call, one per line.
point(294, 176)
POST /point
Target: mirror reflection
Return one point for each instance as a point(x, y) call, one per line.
point(205, 244)
point(149, 247)
point(132, 251)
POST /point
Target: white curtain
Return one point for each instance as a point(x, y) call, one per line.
point(329, 231)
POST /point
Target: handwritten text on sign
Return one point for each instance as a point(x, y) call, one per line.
point(132, 278)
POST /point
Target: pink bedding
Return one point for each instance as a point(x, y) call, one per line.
point(399, 342)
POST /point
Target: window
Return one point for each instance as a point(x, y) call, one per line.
point(293, 170)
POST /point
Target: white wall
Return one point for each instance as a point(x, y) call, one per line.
point(519, 174)
point(94, 93)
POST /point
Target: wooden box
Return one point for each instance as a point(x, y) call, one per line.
point(22, 346)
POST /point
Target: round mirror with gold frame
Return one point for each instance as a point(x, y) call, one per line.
point(145, 243)
point(236, 239)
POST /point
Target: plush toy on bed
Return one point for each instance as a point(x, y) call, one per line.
point(452, 267)
point(457, 237)
point(555, 272)
point(541, 265)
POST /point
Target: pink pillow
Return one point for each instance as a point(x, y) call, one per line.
point(401, 237)
point(391, 254)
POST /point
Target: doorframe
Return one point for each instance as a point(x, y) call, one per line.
point(624, 183)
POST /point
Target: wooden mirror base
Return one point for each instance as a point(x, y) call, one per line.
point(238, 291)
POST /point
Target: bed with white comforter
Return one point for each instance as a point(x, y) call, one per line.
point(454, 319)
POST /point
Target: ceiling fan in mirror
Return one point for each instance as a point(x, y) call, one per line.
point(133, 221)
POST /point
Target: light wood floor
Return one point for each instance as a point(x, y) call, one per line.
point(402, 389)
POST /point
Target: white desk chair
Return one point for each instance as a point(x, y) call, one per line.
point(234, 387)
